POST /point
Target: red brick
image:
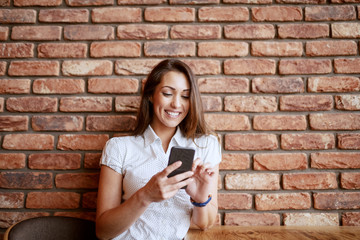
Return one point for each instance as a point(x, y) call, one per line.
point(113, 85)
point(250, 66)
point(2, 68)
point(302, 1)
point(116, 15)
point(330, 13)
point(43, 3)
point(345, 30)
point(140, 2)
point(77, 180)
point(28, 142)
point(12, 160)
point(89, 200)
point(307, 141)
point(58, 86)
point(249, 31)
point(169, 14)
point(64, 15)
point(251, 219)
point(204, 67)
point(14, 123)
point(4, 33)
point(348, 102)
point(82, 142)
point(57, 123)
point(127, 103)
point(212, 103)
point(191, 2)
point(235, 161)
point(334, 84)
point(62, 50)
point(88, 32)
point(52, 161)
point(280, 161)
point(4, 3)
point(351, 219)
point(26, 180)
point(31, 104)
point(279, 122)
point(334, 160)
point(311, 219)
point(250, 142)
point(1, 104)
point(337, 200)
point(223, 49)
point(349, 141)
point(234, 201)
point(196, 32)
point(276, 13)
point(282, 201)
point(314, 180)
point(135, 66)
point(80, 3)
point(227, 122)
point(16, 50)
point(347, 65)
point(36, 33)
point(53, 200)
point(86, 104)
point(11, 200)
point(305, 66)
point(277, 49)
point(14, 86)
point(142, 31)
point(335, 121)
point(34, 68)
point(252, 181)
point(115, 49)
point(87, 67)
point(250, 104)
point(119, 123)
point(223, 14)
point(331, 48)
point(350, 180)
point(303, 30)
point(92, 160)
point(169, 49)
point(223, 85)
point(306, 103)
point(7, 219)
point(278, 85)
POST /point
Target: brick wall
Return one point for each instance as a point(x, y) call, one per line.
point(279, 79)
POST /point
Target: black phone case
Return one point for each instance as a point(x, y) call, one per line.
point(185, 155)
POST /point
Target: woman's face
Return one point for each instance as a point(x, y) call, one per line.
point(171, 101)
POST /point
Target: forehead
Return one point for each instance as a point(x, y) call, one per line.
point(175, 79)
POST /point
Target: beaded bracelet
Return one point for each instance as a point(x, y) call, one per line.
point(200, 204)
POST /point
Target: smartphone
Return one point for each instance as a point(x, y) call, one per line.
point(185, 155)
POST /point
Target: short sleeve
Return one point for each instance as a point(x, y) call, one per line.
point(212, 150)
point(112, 155)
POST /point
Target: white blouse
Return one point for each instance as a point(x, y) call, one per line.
point(138, 159)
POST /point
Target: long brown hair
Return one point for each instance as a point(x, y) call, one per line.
point(194, 124)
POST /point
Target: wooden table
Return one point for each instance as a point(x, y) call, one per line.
point(275, 232)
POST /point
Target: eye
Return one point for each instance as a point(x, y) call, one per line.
point(166, 94)
point(185, 96)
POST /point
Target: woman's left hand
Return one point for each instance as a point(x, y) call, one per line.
point(203, 180)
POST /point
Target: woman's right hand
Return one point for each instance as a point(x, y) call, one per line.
point(160, 187)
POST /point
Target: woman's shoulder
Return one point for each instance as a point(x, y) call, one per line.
point(207, 140)
point(122, 140)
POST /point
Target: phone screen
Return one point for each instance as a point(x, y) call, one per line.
point(185, 155)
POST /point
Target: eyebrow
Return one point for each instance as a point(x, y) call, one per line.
point(185, 90)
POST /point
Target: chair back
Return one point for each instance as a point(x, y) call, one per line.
point(52, 228)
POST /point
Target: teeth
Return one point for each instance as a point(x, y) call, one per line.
point(173, 113)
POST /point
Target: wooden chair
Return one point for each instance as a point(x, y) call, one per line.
point(52, 227)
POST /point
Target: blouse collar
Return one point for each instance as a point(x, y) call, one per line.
point(151, 137)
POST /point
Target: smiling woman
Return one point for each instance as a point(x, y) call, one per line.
point(136, 193)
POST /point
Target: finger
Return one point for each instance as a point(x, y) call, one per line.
point(169, 169)
point(180, 177)
point(196, 163)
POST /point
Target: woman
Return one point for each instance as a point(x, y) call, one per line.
point(136, 199)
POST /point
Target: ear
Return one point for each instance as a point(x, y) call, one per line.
point(151, 99)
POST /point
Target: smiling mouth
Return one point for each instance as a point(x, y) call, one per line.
point(173, 114)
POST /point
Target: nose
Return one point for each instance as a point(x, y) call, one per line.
point(176, 101)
